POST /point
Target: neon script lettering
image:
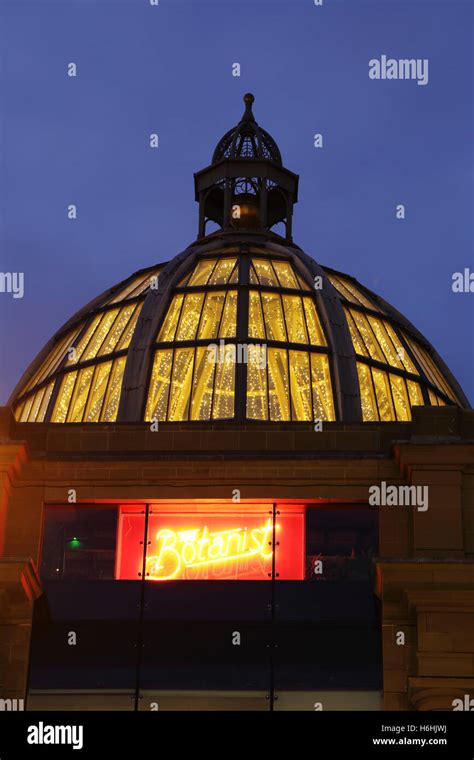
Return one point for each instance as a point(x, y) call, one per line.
point(199, 547)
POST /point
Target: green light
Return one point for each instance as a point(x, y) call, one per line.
point(74, 543)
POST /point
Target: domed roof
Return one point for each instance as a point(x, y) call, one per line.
point(237, 327)
point(247, 139)
point(242, 325)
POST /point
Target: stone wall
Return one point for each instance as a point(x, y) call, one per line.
point(425, 572)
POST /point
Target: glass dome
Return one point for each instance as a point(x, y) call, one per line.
point(241, 326)
point(235, 331)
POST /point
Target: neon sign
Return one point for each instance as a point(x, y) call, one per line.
point(201, 547)
point(210, 546)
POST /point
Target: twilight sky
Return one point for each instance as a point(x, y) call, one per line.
point(168, 69)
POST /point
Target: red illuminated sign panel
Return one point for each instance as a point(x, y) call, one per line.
point(210, 546)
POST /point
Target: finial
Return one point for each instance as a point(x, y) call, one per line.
point(248, 100)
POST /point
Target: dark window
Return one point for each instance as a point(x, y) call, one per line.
point(79, 543)
point(343, 541)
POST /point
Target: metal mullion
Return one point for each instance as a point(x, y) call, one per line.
point(262, 314)
point(221, 253)
point(192, 378)
point(90, 385)
point(304, 317)
point(390, 388)
point(118, 304)
point(203, 309)
point(79, 338)
point(284, 320)
point(90, 389)
point(54, 395)
point(387, 368)
point(109, 331)
point(29, 406)
point(270, 342)
point(355, 296)
point(211, 417)
point(147, 277)
point(124, 297)
point(178, 321)
point(311, 389)
point(299, 347)
point(405, 385)
point(391, 394)
point(141, 617)
point(49, 405)
point(186, 279)
point(436, 390)
point(216, 262)
point(354, 323)
point(188, 419)
point(127, 324)
point(189, 343)
point(272, 618)
point(87, 323)
point(359, 291)
point(449, 401)
point(252, 269)
point(439, 379)
point(125, 329)
point(377, 342)
point(236, 266)
point(267, 383)
point(267, 368)
point(134, 294)
point(213, 391)
point(72, 395)
point(242, 334)
point(391, 341)
point(282, 290)
point(332, 380)
point(344, 291)
point(270, 256)
point(89, 363)
point(275, 273)
point(170, 386)
point(375, 394)
point(290, 394)
point(254, 144)
point(363, 340)
point(32, 391)
point(226, 293)
point(121, 292)
point(104, 397)
point(422, 380)
point(192, 386)
point(428, 372)
point(46, 371)
point(364, 309)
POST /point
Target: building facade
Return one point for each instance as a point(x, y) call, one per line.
point(240, 413)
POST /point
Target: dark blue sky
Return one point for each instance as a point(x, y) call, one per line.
point(167, 69)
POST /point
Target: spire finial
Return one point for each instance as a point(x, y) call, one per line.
point(249, 99)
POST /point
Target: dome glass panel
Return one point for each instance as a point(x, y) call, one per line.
point(351, 293)
point(241, 335)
